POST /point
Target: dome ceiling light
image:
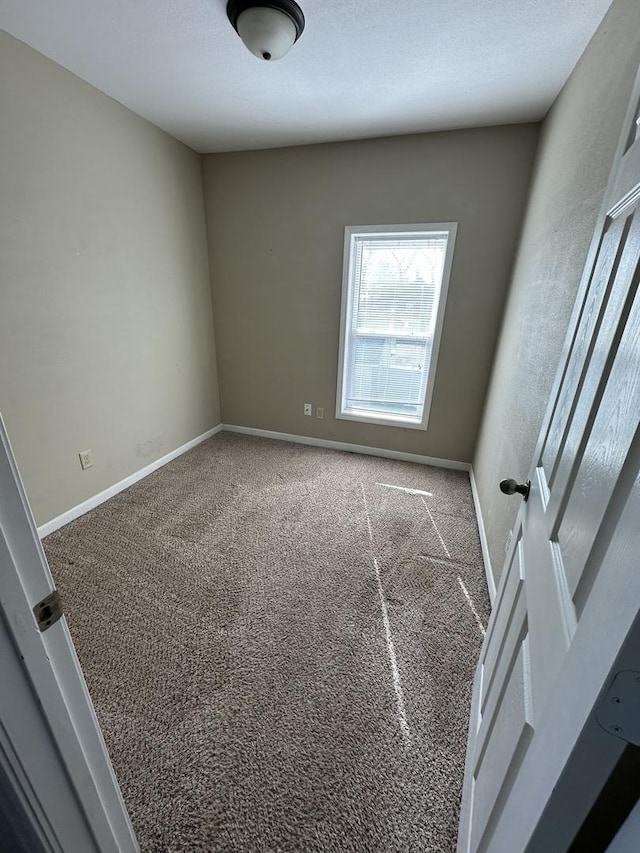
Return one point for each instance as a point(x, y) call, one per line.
point(269, 29)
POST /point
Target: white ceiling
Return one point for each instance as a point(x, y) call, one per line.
point(362, 68)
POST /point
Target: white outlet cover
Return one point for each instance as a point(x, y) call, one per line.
point(308, 408)
point(86, 459)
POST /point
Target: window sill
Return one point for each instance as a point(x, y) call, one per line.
point(380, 419)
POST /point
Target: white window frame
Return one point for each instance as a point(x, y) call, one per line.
point(350, 233)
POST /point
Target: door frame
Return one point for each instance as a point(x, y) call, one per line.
point(590, 764)
point(52, 752)
point(626, 841)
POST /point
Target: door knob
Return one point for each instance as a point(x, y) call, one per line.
point(510, 487)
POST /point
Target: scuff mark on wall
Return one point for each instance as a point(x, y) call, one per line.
point(151, 447)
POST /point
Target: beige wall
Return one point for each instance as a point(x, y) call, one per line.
point(276, 224)
point(106, 337)
point(579, 139)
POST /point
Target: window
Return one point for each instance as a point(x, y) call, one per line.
point(393, 296)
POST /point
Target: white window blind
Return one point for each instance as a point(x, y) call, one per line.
point(390, 317)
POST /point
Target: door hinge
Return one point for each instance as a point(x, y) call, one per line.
point(48, 611)
point(619, 709)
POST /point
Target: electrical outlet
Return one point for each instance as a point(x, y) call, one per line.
point(319, 412)
point(86, 459)
point(308, 409)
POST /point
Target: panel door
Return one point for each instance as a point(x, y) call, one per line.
point(561, 605)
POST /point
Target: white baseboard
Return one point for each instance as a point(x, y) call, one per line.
point(491, 584)
point(92, 502)
point(349, 448)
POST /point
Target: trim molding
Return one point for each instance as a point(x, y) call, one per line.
point(491, 584)
point(349, 448)
point(92, 502)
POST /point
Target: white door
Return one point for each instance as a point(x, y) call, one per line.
point(65, 796)
point(570, 589)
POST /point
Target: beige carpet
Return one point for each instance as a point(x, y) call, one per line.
point(286, 646)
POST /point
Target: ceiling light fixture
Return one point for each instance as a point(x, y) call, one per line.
point(268, 29)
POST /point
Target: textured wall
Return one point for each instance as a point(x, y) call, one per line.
point(578, 143)
point(106, 334)
point(276, 226)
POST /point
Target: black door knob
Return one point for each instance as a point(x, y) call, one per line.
point(510, 487)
